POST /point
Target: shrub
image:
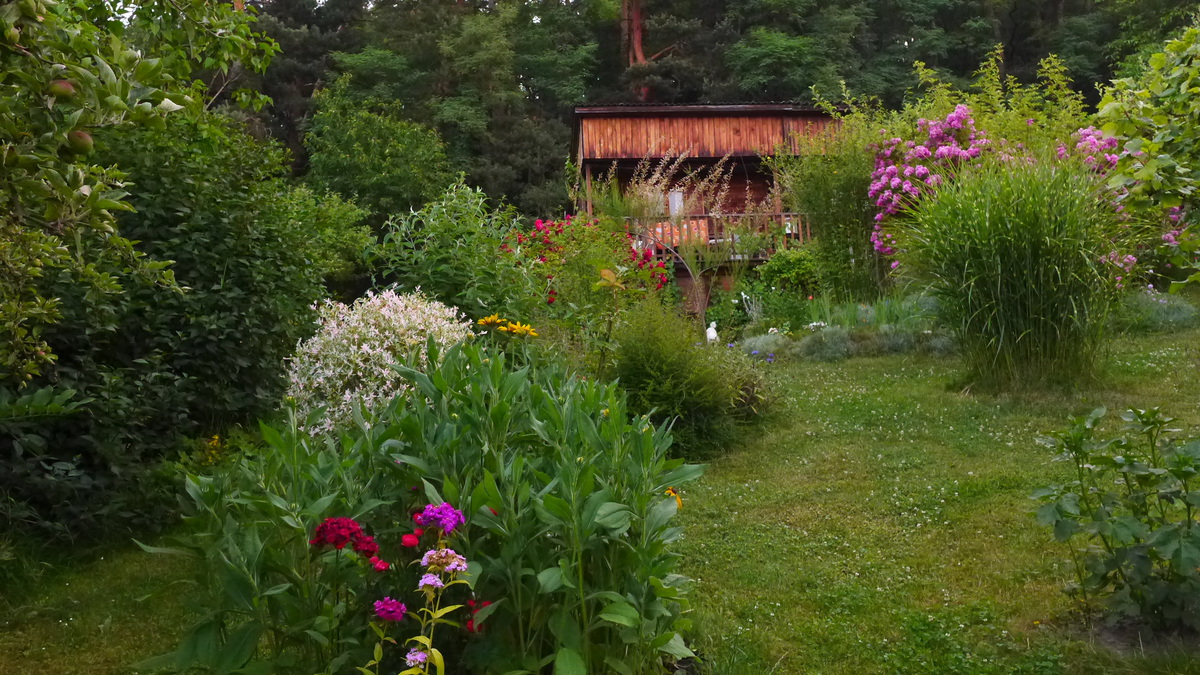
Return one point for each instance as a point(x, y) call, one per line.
point(158, 362)
point(1128, 518)
point(826, 344)
point(450, 250)
point(351, 360)
point(336, 244)
point(559, 504)
point(708, 393)
point(1016, 256)
point(827, 182)
point(369, 152)
point(1149, 311)
point(792, 269)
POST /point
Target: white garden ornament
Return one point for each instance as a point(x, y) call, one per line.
point(712, 332)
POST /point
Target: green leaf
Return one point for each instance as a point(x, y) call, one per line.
point(675, 647)
point(569, 662)
point(239, 647)
point(550, 579)
point(621, 613)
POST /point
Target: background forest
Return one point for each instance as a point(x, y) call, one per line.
point(497, 80)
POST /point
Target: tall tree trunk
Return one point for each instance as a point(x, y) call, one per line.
point(633, 29)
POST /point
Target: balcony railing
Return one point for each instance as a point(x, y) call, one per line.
point(670, 233)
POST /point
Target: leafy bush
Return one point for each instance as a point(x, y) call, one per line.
point(158, 362)
point(336, 244)
point(565, 527)
point(350, 363)
point(827, 182)
point(1150, 312)
point(1147, 115)
point(792, 269)
point(1018, 258)
point(57, 202)
point(1129, 517)
point(451, 250)
point(368, 151)
point(708, 393)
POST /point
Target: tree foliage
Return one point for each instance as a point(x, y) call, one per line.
point(66, 70)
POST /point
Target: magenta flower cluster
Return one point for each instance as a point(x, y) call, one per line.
point(442, 516)
point(906, 169)
point(1099, 152)
point(390, 610)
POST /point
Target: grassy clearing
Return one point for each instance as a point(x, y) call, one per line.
point(91, 619)
point(882, 524)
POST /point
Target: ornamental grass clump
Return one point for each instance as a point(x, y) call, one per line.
point(1024, 260)
point(350, 361)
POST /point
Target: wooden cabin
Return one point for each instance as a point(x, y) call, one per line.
point(614, 139)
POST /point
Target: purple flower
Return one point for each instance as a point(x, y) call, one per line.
point(443, 516)
point(443, 560)
point(390, 610)
point(415, 658)
point(430, 582)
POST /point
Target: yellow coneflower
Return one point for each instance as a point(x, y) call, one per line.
point(672, 492)
point(520, 329)
point(489, 321)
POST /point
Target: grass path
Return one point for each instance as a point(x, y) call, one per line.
point(92, 618)
point(882, 524)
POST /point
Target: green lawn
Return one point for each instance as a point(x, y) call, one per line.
point(96, 618)
point(883, 524)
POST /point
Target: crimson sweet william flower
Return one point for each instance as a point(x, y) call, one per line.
point(410, 541)
point(420, 532)
point(380, 565)
point(390, 610)
point(336, 532)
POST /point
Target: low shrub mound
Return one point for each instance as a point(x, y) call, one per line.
point(352, 358)
point(706, 392)
point(1152, 312)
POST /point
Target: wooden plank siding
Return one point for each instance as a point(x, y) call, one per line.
point(637, 136)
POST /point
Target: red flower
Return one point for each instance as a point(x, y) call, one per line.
point(364, 545)
point(419, 532)
point(337, 532)
point(417, 518)
point(471, 626)
point(550, 300)
point(380, 565)
point(410, 541)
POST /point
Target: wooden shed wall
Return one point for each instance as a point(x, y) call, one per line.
point(636, 137)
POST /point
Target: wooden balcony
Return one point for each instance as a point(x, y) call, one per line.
point(713, 229)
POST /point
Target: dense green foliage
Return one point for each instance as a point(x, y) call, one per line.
point(707, 393)
point(367, 151)
point(450, 250)
point(1129, 517)
point(567, 531)
point(1021, 259)
point(67, 71)
point(157, 362)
